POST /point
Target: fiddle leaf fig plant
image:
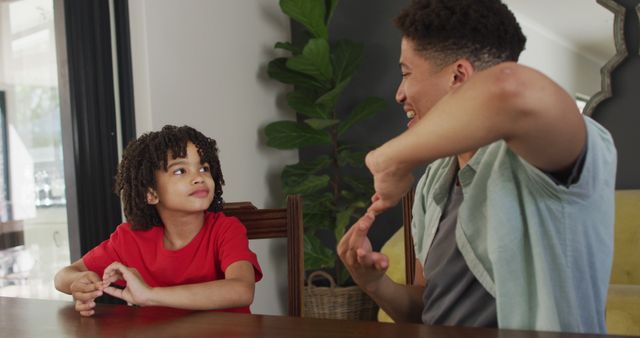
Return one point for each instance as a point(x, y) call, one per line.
point(319, 70)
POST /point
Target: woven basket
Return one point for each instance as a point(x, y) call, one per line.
point(336, 302)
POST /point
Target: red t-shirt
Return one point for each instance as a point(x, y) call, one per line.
point(221, 242)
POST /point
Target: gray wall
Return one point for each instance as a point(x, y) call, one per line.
point(620, 114)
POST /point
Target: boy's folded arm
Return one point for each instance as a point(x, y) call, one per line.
point(236, 290)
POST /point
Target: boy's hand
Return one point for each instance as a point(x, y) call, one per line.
point(85, 290)
point(390, 182)
point(136, 292)
point(366, 266)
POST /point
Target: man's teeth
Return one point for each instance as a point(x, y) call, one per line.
point(411, 114)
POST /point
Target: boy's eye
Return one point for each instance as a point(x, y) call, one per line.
point(179, 171)
point(205, 169)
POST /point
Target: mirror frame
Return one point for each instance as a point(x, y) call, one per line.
point(621, 53)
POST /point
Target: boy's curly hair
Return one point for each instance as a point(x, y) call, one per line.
point(150, 152)
point(485, 32)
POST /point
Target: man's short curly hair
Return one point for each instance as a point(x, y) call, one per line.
point(150, 152)
point(485, 32)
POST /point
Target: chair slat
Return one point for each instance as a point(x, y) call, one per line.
point(278, 223)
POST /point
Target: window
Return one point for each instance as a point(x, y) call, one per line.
point(32, 185)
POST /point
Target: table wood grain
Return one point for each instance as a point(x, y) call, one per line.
point(30, 318)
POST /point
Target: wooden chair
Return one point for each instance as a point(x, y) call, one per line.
point(399, 248)
point(278, 223)
point(409, 252)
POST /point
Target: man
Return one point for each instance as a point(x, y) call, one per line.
point(513, 219)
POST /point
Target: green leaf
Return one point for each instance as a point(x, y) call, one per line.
point(342, 220)
point(344, 217)
point(304, 105)
point(351, 158)
point(300, 178)
point(348, 195)
point(363, 186)
point(318, 211)
point(315, 60)
point(319, 203)
point(332, 7)
point(305, 185)
point(316, 255)
point(291, 135)
point(328, 100)
point(359, 205)
point(343, 276)
point(303, 168)
point(295, 50)
point(321, 123)
point(277, 69)
point(310, 13)
point(347, 146)
point(356, 198)
point(367, 108)
point(314, 221)
point(347, 56)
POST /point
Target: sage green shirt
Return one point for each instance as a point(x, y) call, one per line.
point(542, 249)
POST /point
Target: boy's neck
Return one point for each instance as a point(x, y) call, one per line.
point(179, 230)
point(464, 158)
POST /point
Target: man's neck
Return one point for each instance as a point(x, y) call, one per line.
point(464, 158)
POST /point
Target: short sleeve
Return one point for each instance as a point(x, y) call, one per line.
point(418, 218)
point(105, 253)
point(598, 163)
point(233, 246)
point(571, 175)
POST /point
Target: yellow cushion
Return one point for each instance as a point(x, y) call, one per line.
point(626, 257)
point(394, 249)
point(623, 302)
point(623, 309)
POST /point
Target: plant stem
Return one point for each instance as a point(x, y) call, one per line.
point(336, 184)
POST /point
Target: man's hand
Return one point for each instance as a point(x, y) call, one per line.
point(85, 290)
point(136, 292)
point(365, 266)
point(390, 182)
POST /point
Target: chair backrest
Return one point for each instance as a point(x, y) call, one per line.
point(409, 252)
point(278, 223)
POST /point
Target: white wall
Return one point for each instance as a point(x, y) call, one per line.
point(559, 59)
point(203, 63)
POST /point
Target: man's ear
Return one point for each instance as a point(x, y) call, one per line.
point(152, 197)
point(462, 71)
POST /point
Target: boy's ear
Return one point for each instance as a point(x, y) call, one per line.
point(462, 71)
point(152, 197)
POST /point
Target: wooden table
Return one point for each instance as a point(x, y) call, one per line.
point(51, 319)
